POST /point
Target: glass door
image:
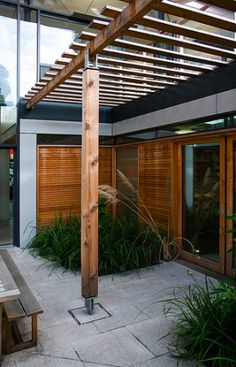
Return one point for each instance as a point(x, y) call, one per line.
point(203, 202)
point(6, 195)
point(231, 206)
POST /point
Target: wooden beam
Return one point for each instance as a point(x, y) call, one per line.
point(159, 37)
point(113, 87)
point(225, 4)
point(149, 63)
point(134, 11)
point(89, 184)
point(102, 91)
point(175, 28)
point(76, 96)
point(101, 103)
point(106, 75)
point(130, 15)
point(155, 60)
point(76, 78)
point(148, 67)
point(165, 26)
point(197, 15)
point(122, 74)
point(58, 79)
point(137, 46)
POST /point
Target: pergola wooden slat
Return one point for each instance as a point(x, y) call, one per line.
point(169, 27)
point(143, 66)
point(131, 62)
point(137, 46)
point(199, 16)
point(226, 4)
point(158, 37)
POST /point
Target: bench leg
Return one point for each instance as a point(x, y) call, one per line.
point(34, 330)
point(8, 340)
point(11, 348)
point(1, 308)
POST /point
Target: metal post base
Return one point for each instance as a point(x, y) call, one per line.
point(89, 304)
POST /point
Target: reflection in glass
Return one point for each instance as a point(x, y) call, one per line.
point(127, 163)
point(201, 198)
point(8, 31)
point(8, 117)
point(6, 196)
point(234, 196)
point(28, 52)
point(55, 37)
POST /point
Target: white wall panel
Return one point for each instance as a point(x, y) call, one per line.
point(59, 127)
point(27, 187)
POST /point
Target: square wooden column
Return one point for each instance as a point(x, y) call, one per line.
point(89, 185)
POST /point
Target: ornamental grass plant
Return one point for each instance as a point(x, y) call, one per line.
point(170, 246)
point(123, 243)
point(204, 325)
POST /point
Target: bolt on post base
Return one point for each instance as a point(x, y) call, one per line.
point(89, 304)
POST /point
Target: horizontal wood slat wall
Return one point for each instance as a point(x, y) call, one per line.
point(155, 179)
point(59, 178)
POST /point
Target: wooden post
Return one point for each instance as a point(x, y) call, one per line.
point(89, 186)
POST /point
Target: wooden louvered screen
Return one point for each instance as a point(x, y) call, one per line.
point(155, 179)
point(58, 180)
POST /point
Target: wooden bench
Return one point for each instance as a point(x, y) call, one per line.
point(26, 306)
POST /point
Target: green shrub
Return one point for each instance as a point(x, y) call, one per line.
point(123, 243)
point(205, 323)
point(59, 242)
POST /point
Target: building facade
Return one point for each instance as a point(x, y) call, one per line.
point(177, 146)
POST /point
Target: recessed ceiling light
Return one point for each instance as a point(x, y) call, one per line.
point(185, 131)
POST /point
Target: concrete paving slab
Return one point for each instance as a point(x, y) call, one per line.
point(115, 299)
point(8, 364)
point(153, 334)
point(47, 361)
point(166, 361)
point(117, 348)
point(96, 365)
point(132, 336)
point(151, 308)
point(121, 317)
point(58, 340)
point(82, 317)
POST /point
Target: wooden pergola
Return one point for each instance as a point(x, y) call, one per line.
point(120, 59)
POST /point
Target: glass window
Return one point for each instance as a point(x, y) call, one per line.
point(201, 178)
point(234, 202)
point(8, 116)
point(6, 196)
point(55, 38)
point(28, 50)
point(8, 55)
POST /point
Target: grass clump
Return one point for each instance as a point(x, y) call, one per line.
point(205, 323)
point(123, 243)
point(59, 242)
point(170, 247)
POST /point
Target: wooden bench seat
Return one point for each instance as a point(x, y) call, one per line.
point(26, 306)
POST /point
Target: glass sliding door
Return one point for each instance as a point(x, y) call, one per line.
point(202, 202)
point(231, 206)
point(6, 195)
